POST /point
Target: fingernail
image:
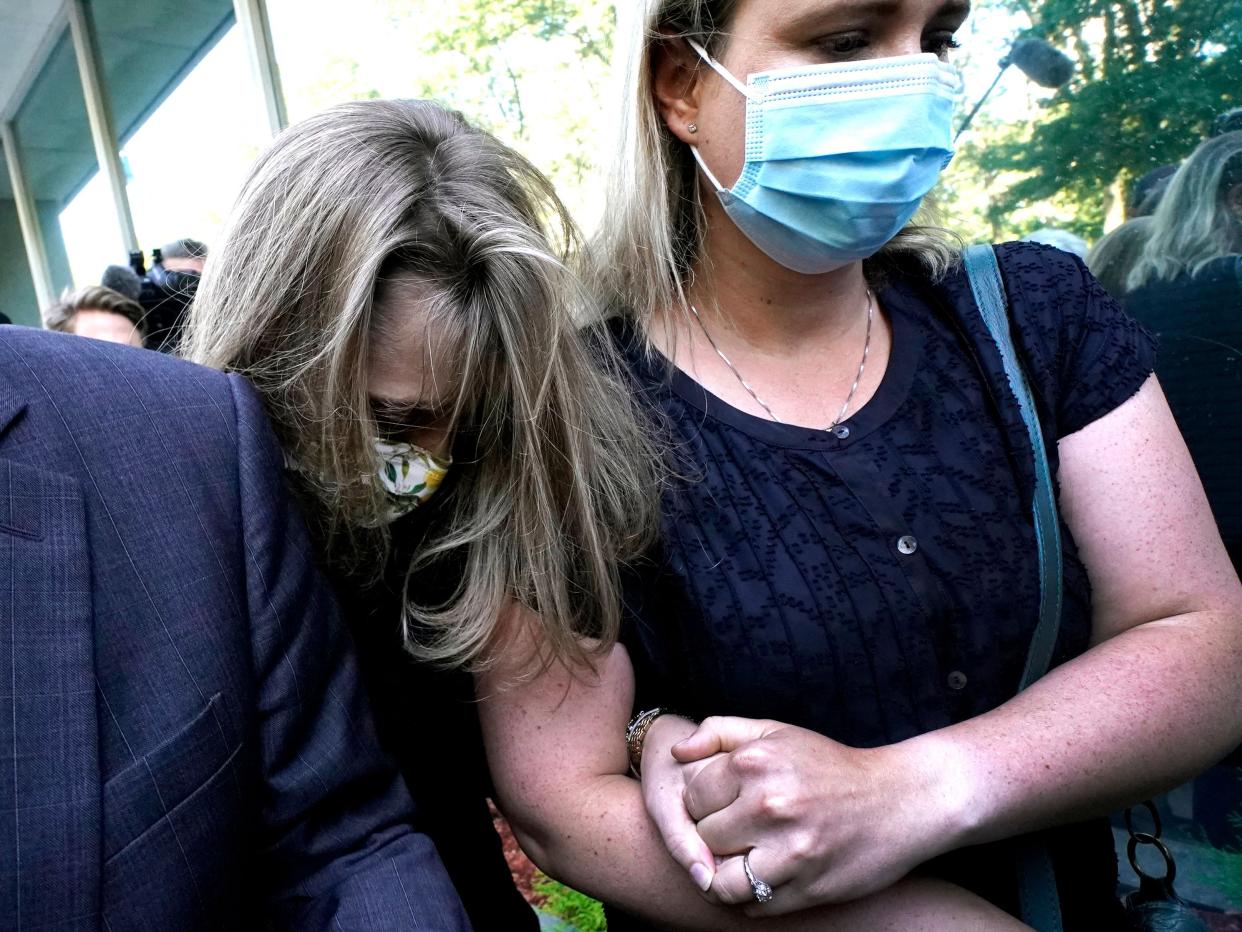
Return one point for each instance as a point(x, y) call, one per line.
point(702, 876)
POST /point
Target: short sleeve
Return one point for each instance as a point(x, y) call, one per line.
point(1093, 354)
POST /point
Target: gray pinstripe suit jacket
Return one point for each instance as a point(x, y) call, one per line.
point(184, 742)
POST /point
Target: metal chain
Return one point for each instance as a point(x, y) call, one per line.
point(862, 366)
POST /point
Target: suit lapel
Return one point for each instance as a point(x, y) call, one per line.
point(50, 822)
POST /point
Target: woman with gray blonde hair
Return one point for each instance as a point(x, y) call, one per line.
point(849, 583)
point(396, 284)
point(1199, 219)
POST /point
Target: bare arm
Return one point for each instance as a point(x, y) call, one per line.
point(559, 764)
point(1152, 702)
point(1156, 699)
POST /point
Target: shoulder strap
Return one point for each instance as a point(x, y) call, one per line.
point(989, 292)
point(1037, 883)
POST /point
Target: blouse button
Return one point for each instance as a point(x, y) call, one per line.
point(841, 432)
point(957, 680)
point(908, 545)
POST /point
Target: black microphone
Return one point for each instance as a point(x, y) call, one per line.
point(123, 279)
point(1039, 61)
point(1036, 59)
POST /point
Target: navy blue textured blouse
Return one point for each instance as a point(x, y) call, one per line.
point(881, 580)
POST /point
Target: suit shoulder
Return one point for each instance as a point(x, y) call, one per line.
point(84, 385)
point(68, 367)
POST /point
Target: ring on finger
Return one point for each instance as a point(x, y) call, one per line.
point(762, 891)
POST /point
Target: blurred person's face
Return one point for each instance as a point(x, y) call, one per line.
point(106, 326)
point(187, 264)
point(413, 374)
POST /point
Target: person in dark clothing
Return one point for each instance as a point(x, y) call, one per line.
point(848, 574)
point(459, 447)
point(1147, 192)
point(1187, 288)
point(1197, 318)
point(1228, 122)
point(187, 744)
point(404, 691)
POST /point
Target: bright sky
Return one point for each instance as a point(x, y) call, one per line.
point(185, 165)
point(187, 162)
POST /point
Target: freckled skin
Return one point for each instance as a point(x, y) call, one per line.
point(1152, 702)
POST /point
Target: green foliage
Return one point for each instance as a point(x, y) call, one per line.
point(577, 909)
point(481, 27)
point(1152, 74)
point(532, 71)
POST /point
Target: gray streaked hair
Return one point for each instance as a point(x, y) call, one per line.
point(553, 481)
point(1193, 224)
point(651, 238)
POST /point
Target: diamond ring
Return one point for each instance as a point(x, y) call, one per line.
point(762, 891)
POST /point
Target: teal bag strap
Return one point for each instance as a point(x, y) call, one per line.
point(989, 292)
point(1037, 893)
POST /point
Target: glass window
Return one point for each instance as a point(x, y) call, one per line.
point(58, 157)
point(187, 161)
point(190, 122)
point(17, 294)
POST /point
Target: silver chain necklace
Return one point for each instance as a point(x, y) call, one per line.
point(755, 395)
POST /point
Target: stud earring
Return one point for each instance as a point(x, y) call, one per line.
point(693, 128)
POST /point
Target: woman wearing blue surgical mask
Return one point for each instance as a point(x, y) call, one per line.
point(394, 282)
point(849, 579)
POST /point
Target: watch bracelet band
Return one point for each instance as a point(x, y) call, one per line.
point(636, 734)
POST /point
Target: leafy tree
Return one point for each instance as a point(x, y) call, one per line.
point(1151, 76)
point(534, 72)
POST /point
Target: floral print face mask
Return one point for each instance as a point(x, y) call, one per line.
point(409, 474)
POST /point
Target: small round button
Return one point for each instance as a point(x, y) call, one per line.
point(957, 680)
point(841, 432)
point(908, 545)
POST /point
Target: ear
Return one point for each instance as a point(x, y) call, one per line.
point(675, 85)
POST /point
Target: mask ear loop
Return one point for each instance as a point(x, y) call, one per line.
point(741, 88)
point(694, 150)
point(720, 69)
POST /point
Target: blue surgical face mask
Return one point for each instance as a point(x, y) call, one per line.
point(838, 157)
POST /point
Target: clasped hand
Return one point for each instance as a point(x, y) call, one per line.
point(822, 822)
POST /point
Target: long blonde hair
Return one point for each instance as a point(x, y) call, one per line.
point(553, 478)
point(1194, 224)
point(652, 235)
